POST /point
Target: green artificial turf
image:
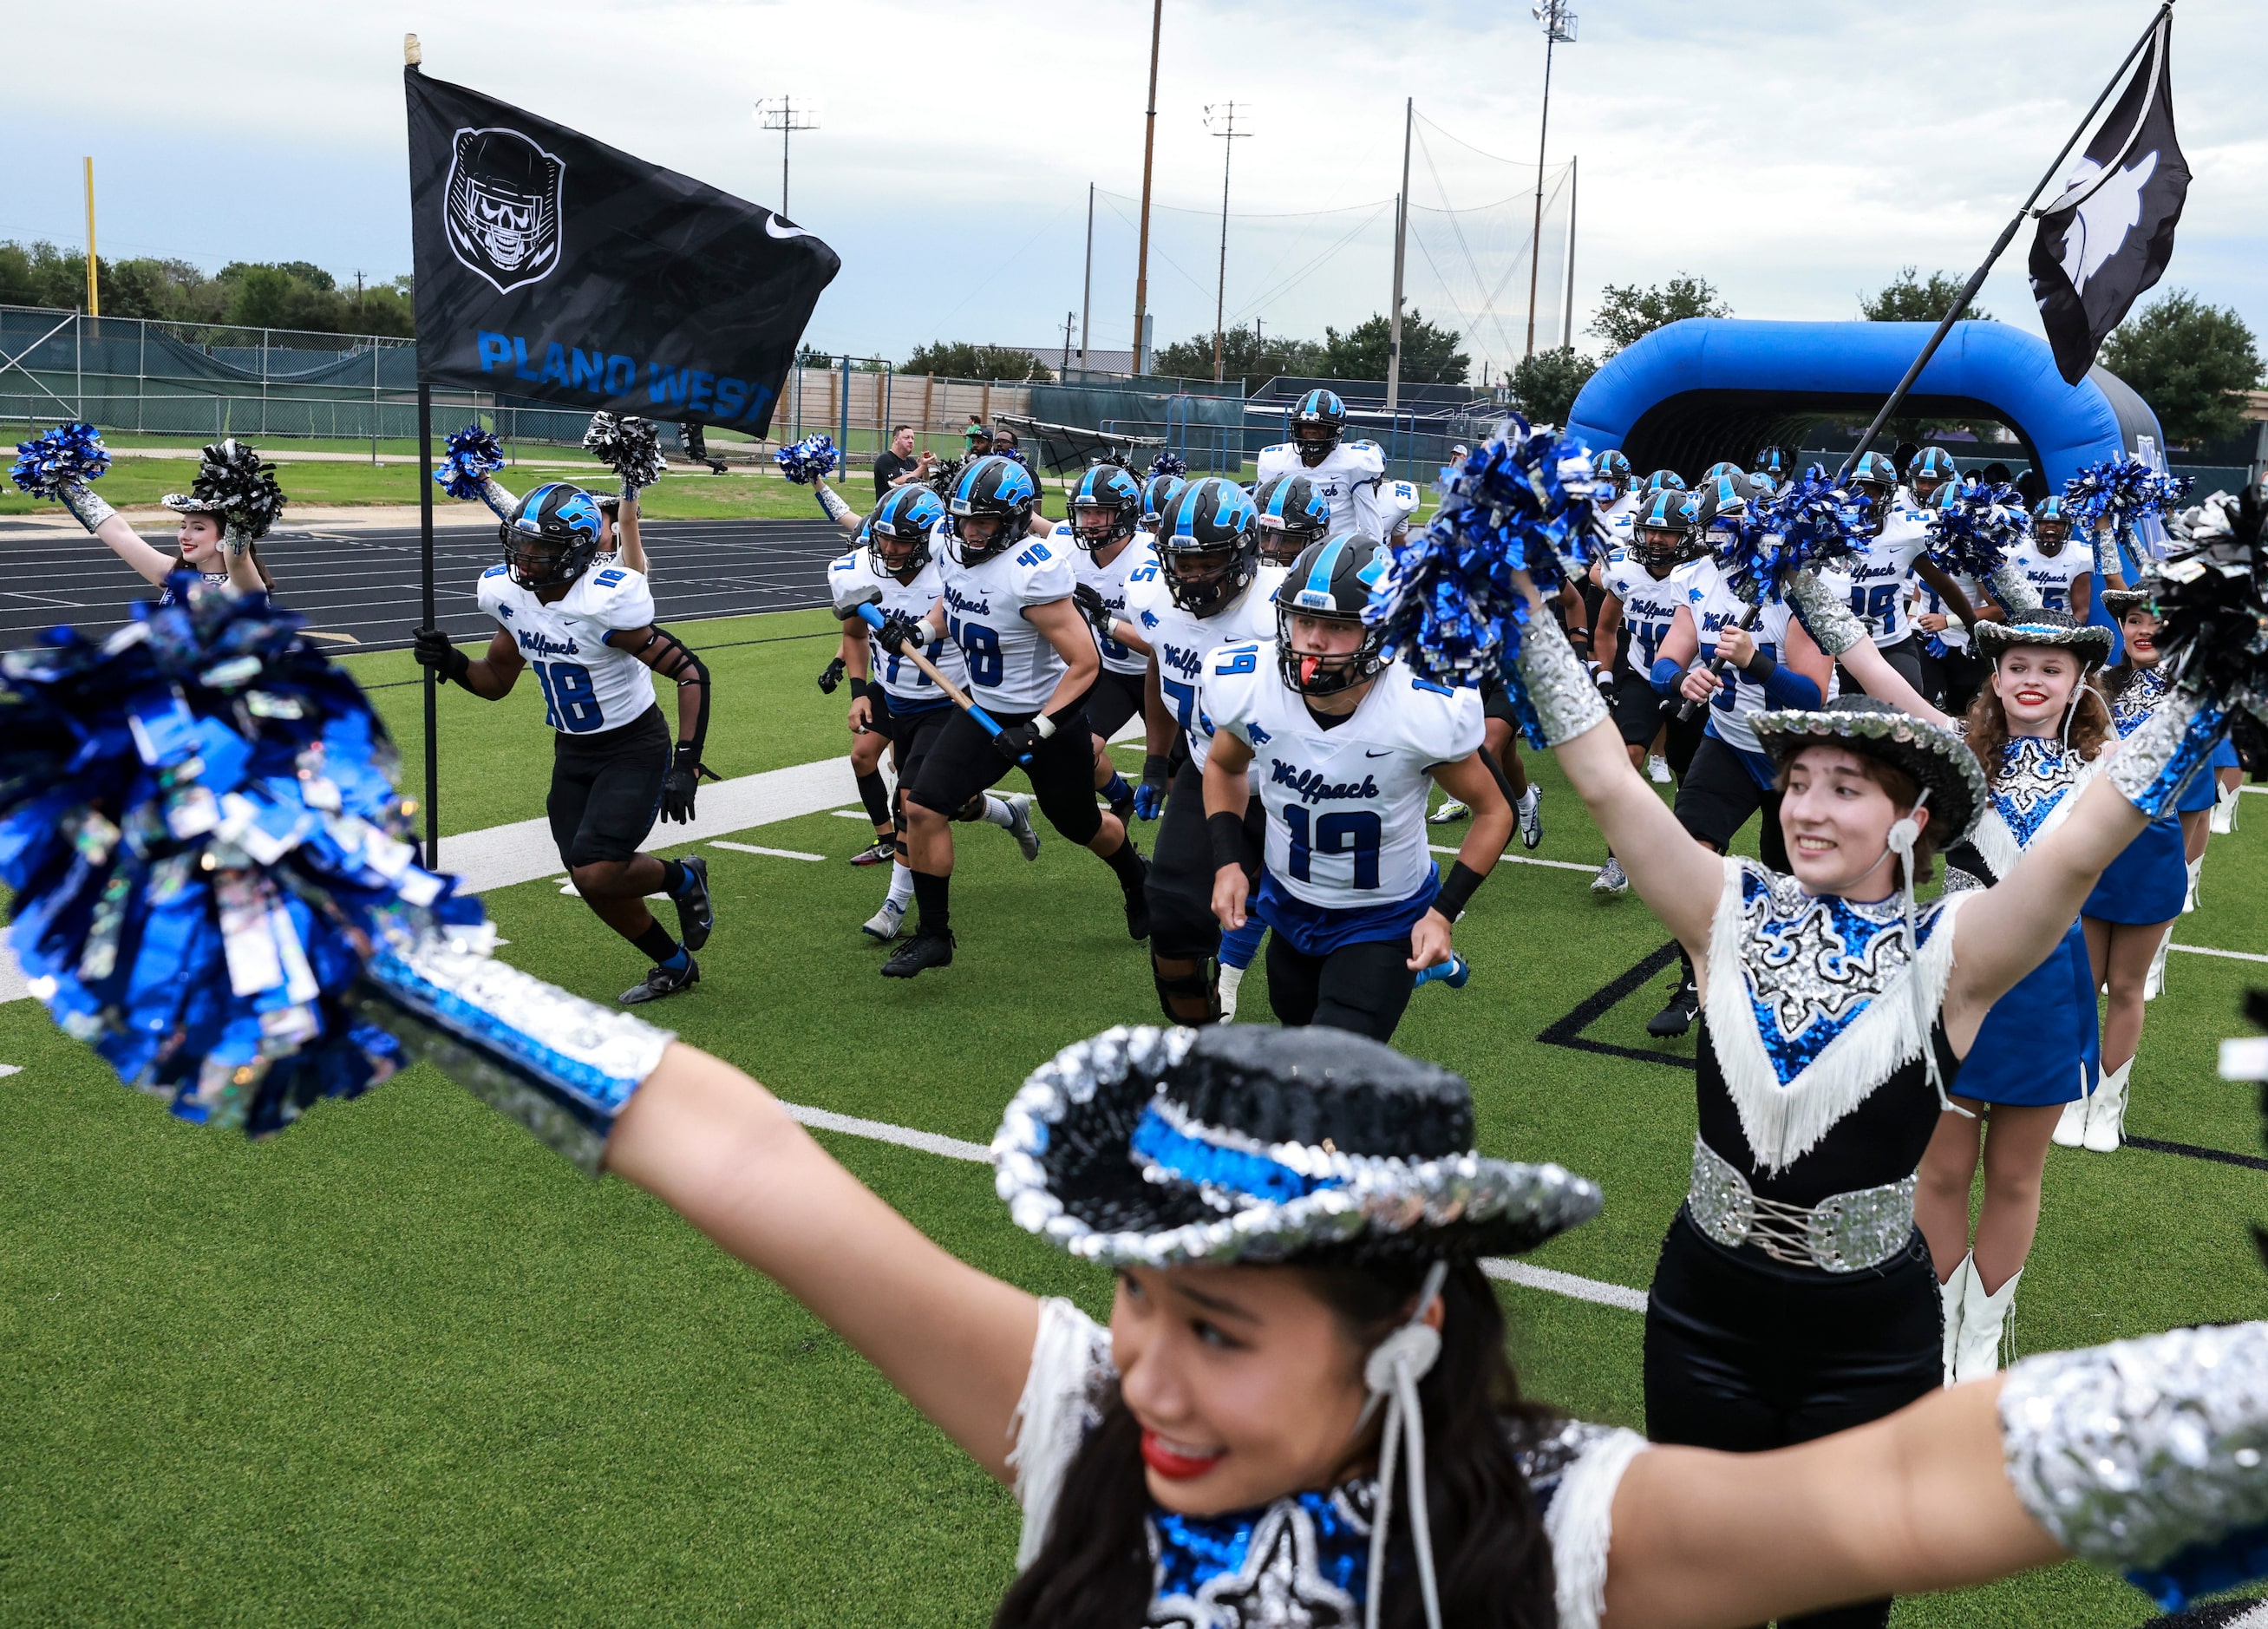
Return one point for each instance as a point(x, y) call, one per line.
point(404, 1364)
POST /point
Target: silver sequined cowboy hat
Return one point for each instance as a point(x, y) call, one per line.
point(2119, 603)
point(1247, 1143)
point(1934, 756)
point(2090, 642)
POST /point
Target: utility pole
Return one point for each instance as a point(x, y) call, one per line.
point(1401, 232)
point(1068, 317)
point(93, 284)
point(1558, 25)
point(1220, 119)
point(782, 113)
point(1086, 290)
point(1149, 146)
point(1567, 308)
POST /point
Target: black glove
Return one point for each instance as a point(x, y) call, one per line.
point(431, 648)
point(1018, 742)
point(1092, 607)
point(679, 783)
point(898, 630)
point(829, 677)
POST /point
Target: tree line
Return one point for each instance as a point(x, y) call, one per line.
point(275, 294)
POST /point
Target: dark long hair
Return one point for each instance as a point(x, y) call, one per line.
point(1987, 724)
point(1489, 1555)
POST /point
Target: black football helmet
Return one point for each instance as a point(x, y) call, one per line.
point(552, 536)
point(2050, 526)
point(1931, 468)
point(1665, 481)
point(899, 530)
point(1775, 464)
point(1722, 467)
point(1316, 424)
point(1292, 514)
point(1330, 581)
point(991, 509)
point(1158, 495)
point(1662, 530)
point(1209, 545)
point(1876, 478)
point(1105, 507)
point(1719, 504)
point(1611, 475)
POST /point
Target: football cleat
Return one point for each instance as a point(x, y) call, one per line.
point(1020, 828)
point(1450, 810)
point(1610, 880)
point(1657, 769)
point(923, 950)
point(878, 853)
point(695, 915)
point(1676, 1016)
point(886, 924)
point(1530, 810)
point(663, 981)
point(1137, 901)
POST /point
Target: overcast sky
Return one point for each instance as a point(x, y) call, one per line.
point(1793, 151)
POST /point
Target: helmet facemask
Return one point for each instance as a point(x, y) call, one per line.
point(1313, 442)
point(1202, 580)
point(899, 554)
point(537, 561)
point(1097, 526)
point(1315, 673)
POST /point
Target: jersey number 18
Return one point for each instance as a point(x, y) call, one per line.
point(569, 703)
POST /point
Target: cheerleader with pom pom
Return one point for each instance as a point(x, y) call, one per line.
point(224, 515)
point(1301, 1412)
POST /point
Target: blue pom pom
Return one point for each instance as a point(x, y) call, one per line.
point(1167, 464)
point(2120, 490)
point(813, 456)
point(1450, 603)
point(1974, 525)
point(70, 454)
point(1809, 525)
point(474, 455)
point(198, 820)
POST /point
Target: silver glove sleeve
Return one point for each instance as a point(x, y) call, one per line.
point(1565, 700)
point(498, 497)
point(85, 508)
point(837, 510)
point(1826, 615)
point(2010, 588)
point(2154, 763)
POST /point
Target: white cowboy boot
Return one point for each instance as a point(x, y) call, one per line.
point(1983, 1319)
point(2223, 819)
point(2106, 1110)
point(2189, 899)
point(2153, 982)
point(1953, 1290)
point(2071, 1129)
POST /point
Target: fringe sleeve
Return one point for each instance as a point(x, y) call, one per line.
point(1580, 1523)
point(1071, 1367)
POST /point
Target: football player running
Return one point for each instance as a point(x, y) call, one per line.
point(1345, 744)
point(1008, 603)
point(1206, 588)
point(1106, 542)
point(1877, 584)
point(1347, 474)
point(2062, 576)
point(895, 568)
point(587, 629)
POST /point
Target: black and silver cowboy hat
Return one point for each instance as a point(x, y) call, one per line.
point(2119, 603)
point(2090, 642)
point(1247, 1143)
point(1934, 756)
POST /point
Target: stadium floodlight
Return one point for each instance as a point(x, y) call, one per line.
point(786, 114)
point(1559, 22)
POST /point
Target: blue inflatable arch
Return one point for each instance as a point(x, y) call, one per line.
point(1709, 388)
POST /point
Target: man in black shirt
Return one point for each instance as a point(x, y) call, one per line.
point(895, 464)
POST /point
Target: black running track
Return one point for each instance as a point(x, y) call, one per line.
point(365, 583)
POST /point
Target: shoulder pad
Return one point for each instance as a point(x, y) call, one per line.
point(498, 569)
point(1360, 447)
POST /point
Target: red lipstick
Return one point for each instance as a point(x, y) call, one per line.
point(1167, 1463)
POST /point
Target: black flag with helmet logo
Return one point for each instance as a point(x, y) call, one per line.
point(555, 267)
point(2109, 235)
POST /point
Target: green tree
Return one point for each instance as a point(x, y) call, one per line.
point(1906, 298)
point(1254, 363)
point(262, 294)
point(1628, 313)
point(1544, 385)
point(1429, 352)
point(2189, 361)
point(959, 359)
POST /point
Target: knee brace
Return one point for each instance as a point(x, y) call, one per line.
point(1198, 982)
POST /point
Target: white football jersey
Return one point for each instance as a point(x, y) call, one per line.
point(1953, 636)
point(1649, 606)
point(1346, 806)
point(589, 686)
point(1012, 666)
point(1876, 585)
point(1109, 581)
point(1349, 467)
point(1739, 697)
point(1181, 641)
point(1384, 508)
point(2050, 576)
point(858, 574)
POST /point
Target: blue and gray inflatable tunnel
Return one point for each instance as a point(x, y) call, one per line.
point(1709, 388)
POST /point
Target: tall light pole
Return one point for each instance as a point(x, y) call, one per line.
point(1220, 119)
point(1401, 235)
point(1559, 26)
point(1149, 146)
point(785, 114)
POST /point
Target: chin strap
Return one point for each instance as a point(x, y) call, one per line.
point(1392, 1372)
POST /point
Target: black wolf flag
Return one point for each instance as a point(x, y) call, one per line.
point(554, 267)
point(2109, 235)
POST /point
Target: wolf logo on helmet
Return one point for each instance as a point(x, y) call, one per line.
point(1209, 547)
point(1293, 515)
point(898, 532)
point(503, 206)
point(552, 536)
point(1105, 507)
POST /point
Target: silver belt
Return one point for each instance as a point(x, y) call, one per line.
point(1844, 1233)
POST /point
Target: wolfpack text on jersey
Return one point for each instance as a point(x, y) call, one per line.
point(589, 686)
point(1109, 581)
point(1181, 641)
point(2050, 576)
point(1012, 666)
point(1346, 806)
point(858, 574)
point(1351, 468)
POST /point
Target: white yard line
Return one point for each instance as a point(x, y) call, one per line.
point(2233, 956)
point(1522, 859)
point(751, 848)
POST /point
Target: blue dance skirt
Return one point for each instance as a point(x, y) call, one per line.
point(2040, 1045)
point(2204, 789)
point(2147, 882)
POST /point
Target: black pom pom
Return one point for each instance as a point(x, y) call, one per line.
point(233, 478)
point(2214, 599)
